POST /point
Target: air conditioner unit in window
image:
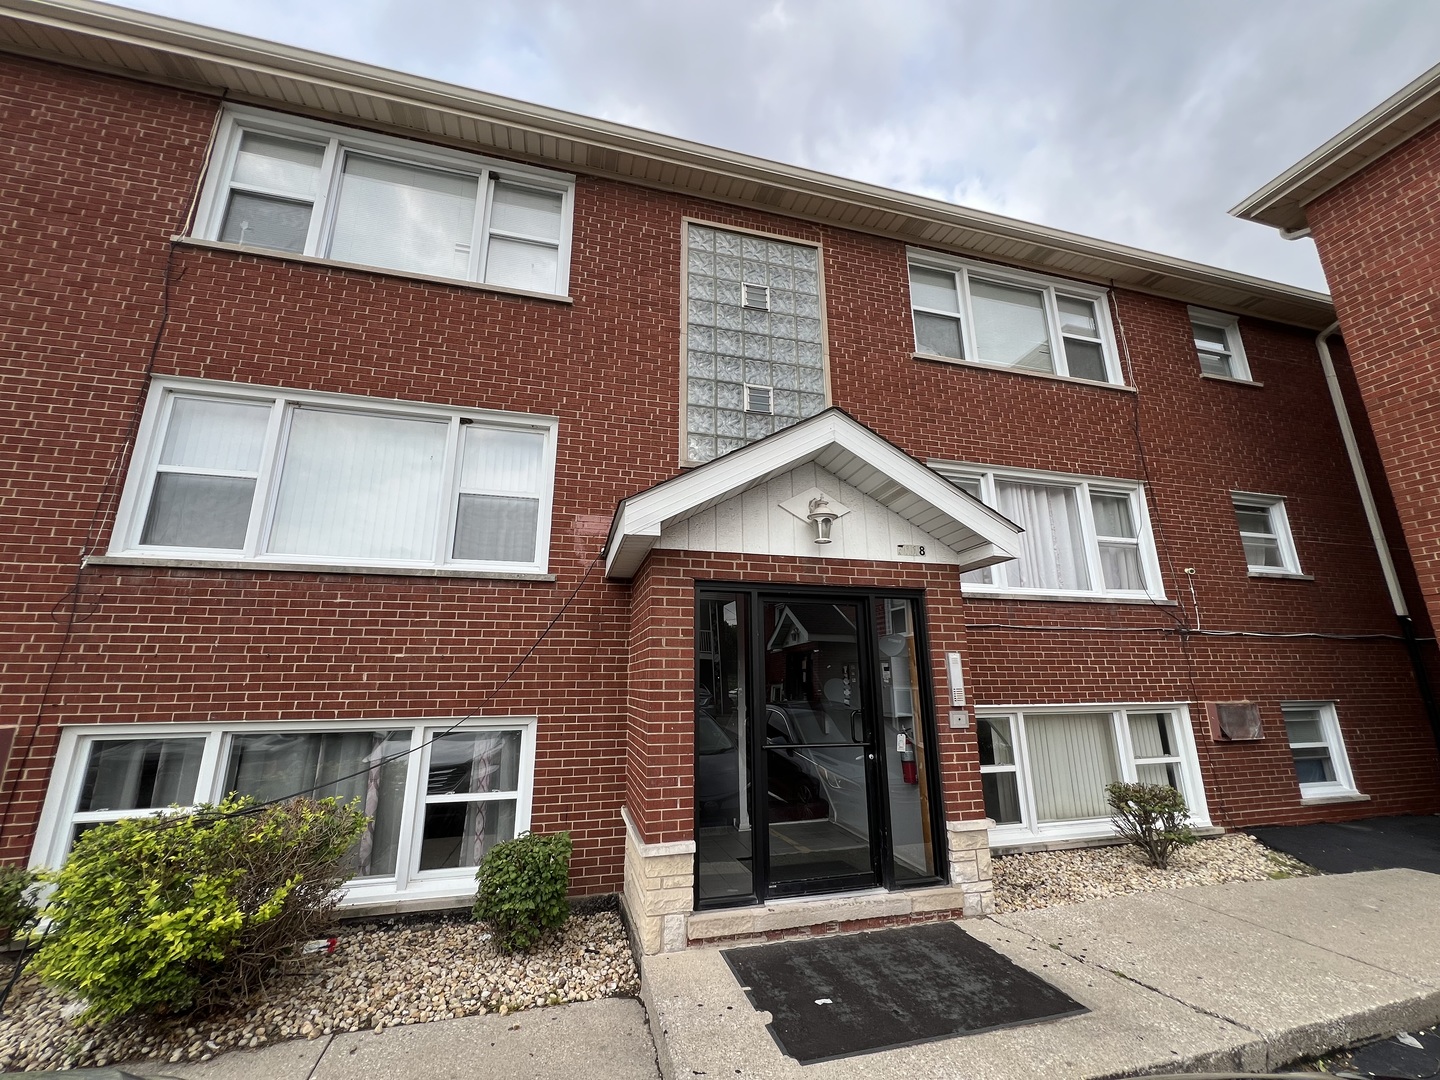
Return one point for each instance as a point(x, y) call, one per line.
point(756, 297)
point(759, 399)
point(1234, 721)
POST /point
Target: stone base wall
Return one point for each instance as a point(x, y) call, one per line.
point(968, 843)
point(659, 890)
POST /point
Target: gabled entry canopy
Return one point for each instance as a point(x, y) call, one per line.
point(841, 446)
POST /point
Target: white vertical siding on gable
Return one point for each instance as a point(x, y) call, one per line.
point(754, 524)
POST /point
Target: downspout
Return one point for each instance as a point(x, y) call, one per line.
point(1377, 534)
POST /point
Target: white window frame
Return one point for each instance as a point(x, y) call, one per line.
point(1029, 831)
point(1274, 506)
point(337, 141)
point(1229, 325)
point(1084, 487)
point(1052, 288)
point(52, 841)
point(1343, 786)
point(139, 484)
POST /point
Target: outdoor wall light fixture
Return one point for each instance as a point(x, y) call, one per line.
point(821, 518)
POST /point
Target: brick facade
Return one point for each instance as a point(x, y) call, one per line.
point(99, 175)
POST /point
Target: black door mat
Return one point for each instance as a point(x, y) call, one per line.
point(1382, 843)
point(837, 997)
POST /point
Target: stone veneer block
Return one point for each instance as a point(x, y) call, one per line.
point(831, 909)
point(945, 898)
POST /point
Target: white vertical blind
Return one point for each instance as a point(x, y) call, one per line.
point(405, 217)
point(224, 436)
point(1010, 326)
point(1052, 547)
point(1072, 759)
point(500, 460)
point(359, 486)
point(501, 474)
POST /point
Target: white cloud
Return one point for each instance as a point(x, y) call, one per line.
point(1135, 122)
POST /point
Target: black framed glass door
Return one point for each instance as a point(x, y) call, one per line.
point(813, 737)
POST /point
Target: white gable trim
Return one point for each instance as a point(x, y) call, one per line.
point(840, 445)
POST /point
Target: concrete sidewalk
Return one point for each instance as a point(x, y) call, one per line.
point(1245, 976)
point(606, 1040)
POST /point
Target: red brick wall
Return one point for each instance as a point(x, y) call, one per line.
point(98, 174)
point(1378, 235)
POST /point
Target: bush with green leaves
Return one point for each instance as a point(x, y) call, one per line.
point(192, 909)
point(17, 901)
point(1154, 817)
point(523, 883)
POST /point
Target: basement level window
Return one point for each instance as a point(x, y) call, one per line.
point(1321, 766)
point(300, 186)
point(438, 793)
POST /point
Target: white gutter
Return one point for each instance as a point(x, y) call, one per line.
point(1362, 481)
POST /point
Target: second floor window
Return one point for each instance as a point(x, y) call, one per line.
point(1082, 536)
point(314, 189)
point(229, 472)
point(1012, 320)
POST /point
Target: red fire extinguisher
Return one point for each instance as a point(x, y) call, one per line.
point(908, 771)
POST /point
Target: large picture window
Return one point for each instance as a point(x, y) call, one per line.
point(228, 472)
point(436, 799)
point(987, 315)
point(1083, 536)
point(1044, 771)
point(298, 186)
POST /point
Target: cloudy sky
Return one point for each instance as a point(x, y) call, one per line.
point(1138, 121)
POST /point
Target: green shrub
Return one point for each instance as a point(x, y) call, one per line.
point(522, 888)
point(1154, 817)
point(17, 901)
point(192, 909)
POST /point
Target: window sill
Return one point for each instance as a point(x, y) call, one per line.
point(972, 593)
point(978, 366)
point(1281, 575)
point(380, 271)
point(1332, 797)
point(1006, 840)
point(311, 568)
point(1230, 379)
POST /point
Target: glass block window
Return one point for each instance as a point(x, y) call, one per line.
point(737, 338)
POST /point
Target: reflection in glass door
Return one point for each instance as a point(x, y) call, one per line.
point(818, 753)
point(814, 767)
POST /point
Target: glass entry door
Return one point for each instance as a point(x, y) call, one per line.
point(813, 768)
point(819, 753)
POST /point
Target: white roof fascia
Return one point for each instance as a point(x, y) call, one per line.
point(1281, 203)
point(113, 38)
point(641, 518)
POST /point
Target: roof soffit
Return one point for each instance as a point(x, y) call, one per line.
point(247, 69)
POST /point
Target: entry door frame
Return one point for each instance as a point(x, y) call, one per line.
point(881, 844)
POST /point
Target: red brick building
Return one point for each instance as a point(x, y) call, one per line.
point(775, 534)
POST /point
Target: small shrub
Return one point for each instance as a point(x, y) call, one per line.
point(1153, 817)
point(17, 901)
point(522, 888)
point(192, 909)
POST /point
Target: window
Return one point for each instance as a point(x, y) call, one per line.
point(314, 189)
point(1082, 536)
point(966, 311)
point(1217, 343)
point(433, 812)
point(1043, 772)
point(229, 472)
point(1265, 533)
point(1321, 766)
point(754, 339)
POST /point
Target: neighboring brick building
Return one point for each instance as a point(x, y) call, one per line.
point(390, 440)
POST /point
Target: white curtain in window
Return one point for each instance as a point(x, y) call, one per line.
point(227, 436)
point(359, 486)
point(1052, 548)
point(1072, 758)
point(405, 217)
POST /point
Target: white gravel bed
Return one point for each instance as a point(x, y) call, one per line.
point(380, 975)
point(1041, 878)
